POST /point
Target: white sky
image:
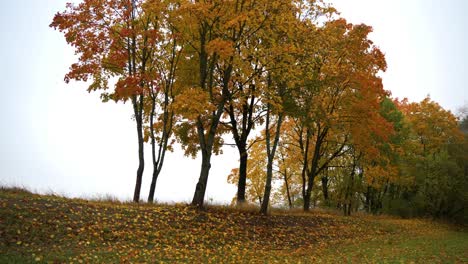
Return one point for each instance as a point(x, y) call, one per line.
point(57, 137)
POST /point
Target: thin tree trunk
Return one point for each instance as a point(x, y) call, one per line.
point(305, 158)
point(158, 159)
point(141, 158)
point(153, 185)
point(137, 102)
point(153, 151)
point(287, 188)
point(168, 118)
point(304, 183)
point(271, 149)
point(267, 192)
point(158, 162)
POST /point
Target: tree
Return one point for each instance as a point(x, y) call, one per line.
point(271, 144)
point(436, 161)
point(162, 91)
point(339, 98)
point(217, 33)
point(115, 40)
point(242, 108)
point(249, 20)
point(279, 78)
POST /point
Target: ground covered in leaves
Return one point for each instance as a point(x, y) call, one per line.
point(51, 229)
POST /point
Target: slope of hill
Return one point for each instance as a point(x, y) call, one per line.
point(51, 229)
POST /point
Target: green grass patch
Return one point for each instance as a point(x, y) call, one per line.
point(441, 247)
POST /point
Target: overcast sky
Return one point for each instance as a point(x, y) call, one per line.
point(57, 137)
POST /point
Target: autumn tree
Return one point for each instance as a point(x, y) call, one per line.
point(162, 91)
point(370, 167)
point(368, 171)
point(215, 33)
point(115, 42)
point(278, 81)
point(265, 24)
point(243, 102)
point(379, 166)
point(339, 97)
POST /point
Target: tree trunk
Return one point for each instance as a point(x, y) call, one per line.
point(199, 195)
point(245, 125)
point(166, 134)
point(206, 145)
point(153, 150)
point(305, 158)
point(153, 185)
point(271, 149)
point(313, 169)
point(304, 183)
point(141, 158)
point(266, 194)
point(168, 118)
point(347, 209)
point(350, 191)
point(137, 102)
point(325, 189)
point(310, 185)
point(367, 205)
point(287, 188)
point(310, 181)
point(242, 174)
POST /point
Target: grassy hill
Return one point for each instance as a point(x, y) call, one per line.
point(51, 229)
